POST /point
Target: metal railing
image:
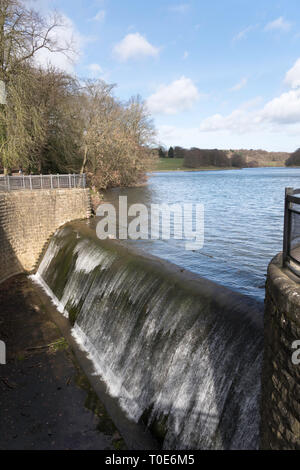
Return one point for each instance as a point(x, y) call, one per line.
point(291, 232)
point(33, 182)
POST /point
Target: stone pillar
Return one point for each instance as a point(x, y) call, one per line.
point(280, 405)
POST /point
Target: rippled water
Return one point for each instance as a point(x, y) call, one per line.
point(243, 221)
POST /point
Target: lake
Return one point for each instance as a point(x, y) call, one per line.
point(243, 221)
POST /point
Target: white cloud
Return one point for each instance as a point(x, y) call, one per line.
point(100, 16)
point(273, 126)
point(171, 135)
point(239, 121)
point(185, 55)
point(134, 46)
point(95, 70)
point(241, 84)
point(284, 109)
point(181, 8)
point(244, 33)
point(280, 24)
point(252, 103)
point(292, 77)
point(176, 97)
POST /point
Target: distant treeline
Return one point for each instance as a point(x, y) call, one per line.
point(294, 159)
point(196, 157)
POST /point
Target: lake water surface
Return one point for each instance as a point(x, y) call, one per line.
point(243, 221)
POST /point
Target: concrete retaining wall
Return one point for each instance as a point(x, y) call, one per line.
point(29, 218)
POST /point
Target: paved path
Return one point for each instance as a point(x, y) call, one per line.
point(46, 401)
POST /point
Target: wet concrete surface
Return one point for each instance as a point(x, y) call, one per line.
point(46, 401)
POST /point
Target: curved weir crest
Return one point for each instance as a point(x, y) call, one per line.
point(180, 352)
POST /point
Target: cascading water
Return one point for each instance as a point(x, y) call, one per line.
point(175, 349)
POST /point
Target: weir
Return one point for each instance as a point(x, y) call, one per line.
point(179, 352)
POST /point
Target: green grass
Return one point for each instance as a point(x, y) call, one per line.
point(176, 164)
point(59, 345)
point(272, 164)
point(164, 164)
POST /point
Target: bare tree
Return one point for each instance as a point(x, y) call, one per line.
point(97, 105)
point(23, 32)
point(51, 122)
point(115, 137)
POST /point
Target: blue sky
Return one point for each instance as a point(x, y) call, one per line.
point(218, 73)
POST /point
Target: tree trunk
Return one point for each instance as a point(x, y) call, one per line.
point(84, 159)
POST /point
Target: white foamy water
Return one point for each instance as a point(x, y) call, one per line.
point(187, 361)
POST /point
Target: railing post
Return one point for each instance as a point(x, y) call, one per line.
point(70, 181)
point(30, 181)
point(84, 180)
point(287, 226)
point(58, 181)
point(23, 181)
point(7, 182)
point(41, 176)
point(51, 182)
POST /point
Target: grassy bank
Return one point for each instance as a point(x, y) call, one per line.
point(272, 164)
point(176, 164)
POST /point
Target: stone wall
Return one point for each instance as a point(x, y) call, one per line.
point(280, 408)
point(29, 218)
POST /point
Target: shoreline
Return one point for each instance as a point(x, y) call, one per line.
point(193, 170)
point(217, 169)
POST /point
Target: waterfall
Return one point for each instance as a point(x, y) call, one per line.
point(178, 351)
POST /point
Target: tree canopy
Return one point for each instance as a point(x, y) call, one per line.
point(54, 122)
point(294, 159)
point(23, 32)
point(171, 152)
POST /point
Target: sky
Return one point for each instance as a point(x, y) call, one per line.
point(214, 74)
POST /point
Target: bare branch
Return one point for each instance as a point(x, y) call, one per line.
point(24, 32)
